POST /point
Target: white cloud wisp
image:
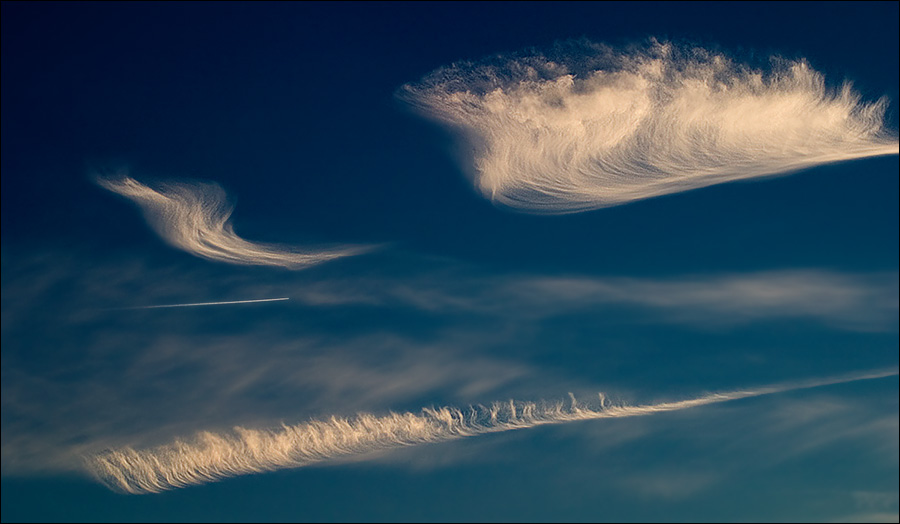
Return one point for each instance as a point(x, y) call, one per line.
point(210, 456)
point(195, 217)
point(586, 126)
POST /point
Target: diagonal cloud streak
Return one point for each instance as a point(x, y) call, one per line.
point(195, 217)
point(586, 126)
point(210, 456)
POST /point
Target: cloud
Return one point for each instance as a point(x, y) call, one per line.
point(212, 456)
point(81, 373)
point(844, 300)
point(142, 387)
point(871, 517)
point(847, 301)
point(194, 217)
point(86, 367)
point(72, 285)
point(585, 126)
point(873, 507)
point(670, 484)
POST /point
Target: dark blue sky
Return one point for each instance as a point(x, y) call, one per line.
point(292, 109)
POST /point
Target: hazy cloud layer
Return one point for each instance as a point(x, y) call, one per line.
point(585, 126)
point(211, 456)
point(846, 301)
point(194, 217)
point(849, 301)
point(141, 388)
point(67, 286)
point(87, 366)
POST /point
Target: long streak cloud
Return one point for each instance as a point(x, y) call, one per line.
point(210, 456)
point(586, 126)
point(195, 217)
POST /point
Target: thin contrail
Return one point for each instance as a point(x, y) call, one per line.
point(212, 456)
point(210, 303)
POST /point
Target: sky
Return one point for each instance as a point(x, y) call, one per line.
point(449, 261)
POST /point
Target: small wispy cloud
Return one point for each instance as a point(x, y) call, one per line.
point(213, 456)
point(585, 126)
point(195, 217)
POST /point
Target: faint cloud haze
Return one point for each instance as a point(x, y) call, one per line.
point(586, 126)
point(847, 301)
point(407, 337)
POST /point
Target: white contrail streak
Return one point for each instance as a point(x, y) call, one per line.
point(196, 218)
point(210, 456)
point(211, 303)
point(586, 126)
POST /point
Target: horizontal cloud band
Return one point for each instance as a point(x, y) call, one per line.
point(195, 218)
point(212, 456)
point(586, 126)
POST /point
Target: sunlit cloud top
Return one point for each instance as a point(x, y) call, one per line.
point(195, 217)
point(585, 126)
point(211, 456)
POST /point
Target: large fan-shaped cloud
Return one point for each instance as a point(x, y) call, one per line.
point(585, 126)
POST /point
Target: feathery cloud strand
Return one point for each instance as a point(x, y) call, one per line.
point(195, 217)
point(211, 456)
point(586, 126)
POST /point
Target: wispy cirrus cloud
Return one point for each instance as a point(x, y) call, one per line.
point(87, 365)
point(72, 287)
point(211, 456)
point(394, 338)
point(195, 217)
point(849, 301)
point(586, 126)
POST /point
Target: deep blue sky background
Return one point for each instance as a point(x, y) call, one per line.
point(291, 107)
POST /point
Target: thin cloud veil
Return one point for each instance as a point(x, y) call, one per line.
point(585, 126)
